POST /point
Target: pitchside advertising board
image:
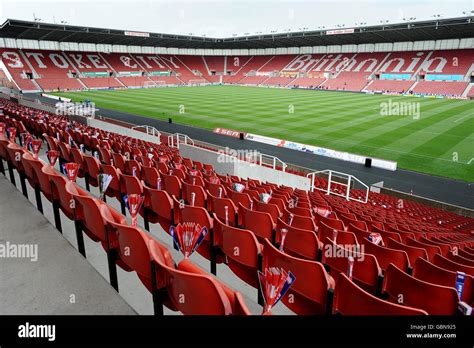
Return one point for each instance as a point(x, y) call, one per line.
point(316, 150)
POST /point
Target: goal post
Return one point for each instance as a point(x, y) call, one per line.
point(152, 84)
point(198, 82)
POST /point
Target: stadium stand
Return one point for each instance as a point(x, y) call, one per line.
point(319, 214)
point(393, 72)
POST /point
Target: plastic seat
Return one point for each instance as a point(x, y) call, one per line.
point(91, 170)
point(329, 222)
point(350, 299)
point(150, 176)
point(158, 206)
point(184, 213)
point(87, 217)
point(126, 246)
point(190, 283)
point(432, 298)
point(65, 155)
point(240, 198)
point(386, 256)
point(132, 166)
point(61, 195)
point(113, 190)
point(445, 263)
point(241, 248)
point(172, 185)
point(217, 190)
point(311, 290)
point(105, 155)
point(366, 272)
point(269, 208)
point(78, 158)
point(261, 224)
point(218, 206)
point(431, 250)
point(445, 248)
point(459, 259)
point(40, 169)
point(118, 161)
point(413, 252)
point(30, 175)
point(342, 237)
point(298, 221)
point(130, 184)
point(200, 196)
point(298, 242)
point(428, 272)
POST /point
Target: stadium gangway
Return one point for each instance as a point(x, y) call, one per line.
point(331, 175)
point(149, 130)
point(177, 138)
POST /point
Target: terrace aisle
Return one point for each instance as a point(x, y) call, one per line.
point(45, 287)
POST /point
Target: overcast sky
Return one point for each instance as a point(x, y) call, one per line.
point(223, 18)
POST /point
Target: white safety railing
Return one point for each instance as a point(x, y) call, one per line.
point(177, 138)
point(272, 161)
point(149, 130)
point(346, 180)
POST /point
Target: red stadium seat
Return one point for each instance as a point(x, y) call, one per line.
point(403, 288)
point(445, 263)
point(158, 207)
point(431, 250)
point(350, 299)
point(200, 196)
point(413, 252)
point(300, 243)
point(219, 206)
point(386, 256)
point(428, 272)
point(188, 285)
point(310, 293)
point(242, 250)
point(366, 272)
point(261, 224)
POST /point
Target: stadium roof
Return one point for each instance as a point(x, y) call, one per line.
point(438, 29)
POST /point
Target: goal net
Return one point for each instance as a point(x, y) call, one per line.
point(198, 82)
point(151, 84)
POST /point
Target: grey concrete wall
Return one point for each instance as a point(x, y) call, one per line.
point(93, 122)
point(224, 164)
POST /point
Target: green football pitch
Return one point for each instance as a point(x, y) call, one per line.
point(429, 135)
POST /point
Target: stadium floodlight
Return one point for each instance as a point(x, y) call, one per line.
point(468, 12)
point(64, 22)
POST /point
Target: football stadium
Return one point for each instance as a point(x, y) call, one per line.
point(322, 172)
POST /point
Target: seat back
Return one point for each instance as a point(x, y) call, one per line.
point(429, 272)
point(218, 206)
point(298, 242)
point(241, 248)
point(432, 298)
point(431, 250)
point(261, 224)
point(309, 292)
point(200, 197)
point(386, 256)
point(413, 252)
point(350, 299)
point(187, 290)
point(365, 271)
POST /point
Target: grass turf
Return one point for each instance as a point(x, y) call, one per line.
point(440, 141)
